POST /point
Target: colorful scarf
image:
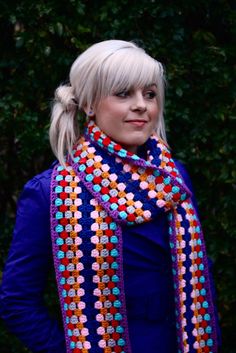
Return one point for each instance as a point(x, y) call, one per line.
point(104, 187)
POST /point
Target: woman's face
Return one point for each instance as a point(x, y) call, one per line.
point(129, 117)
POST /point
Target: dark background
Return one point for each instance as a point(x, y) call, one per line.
point(195, 40)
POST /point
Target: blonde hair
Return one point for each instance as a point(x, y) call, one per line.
point(101, 70)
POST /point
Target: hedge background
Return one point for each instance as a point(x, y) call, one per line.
point(194, 41)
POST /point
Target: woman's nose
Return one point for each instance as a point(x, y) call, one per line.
point(139, 102)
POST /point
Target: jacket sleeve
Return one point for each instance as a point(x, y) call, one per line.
point(25, 275)
point(188, 183)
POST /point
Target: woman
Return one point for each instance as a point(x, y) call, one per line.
point(128, 251)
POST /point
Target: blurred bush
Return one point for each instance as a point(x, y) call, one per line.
point(194, 41)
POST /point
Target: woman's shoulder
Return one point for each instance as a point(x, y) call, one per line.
point(42, 178)
point(38, 187)
point(184, 173)
point(187, 180)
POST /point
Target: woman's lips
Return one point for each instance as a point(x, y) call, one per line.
point(139, 123)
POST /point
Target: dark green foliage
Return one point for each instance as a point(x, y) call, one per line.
point(194, 41)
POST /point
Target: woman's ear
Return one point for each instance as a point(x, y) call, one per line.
point(89, 111)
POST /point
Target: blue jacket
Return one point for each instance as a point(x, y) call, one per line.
point(147, 278)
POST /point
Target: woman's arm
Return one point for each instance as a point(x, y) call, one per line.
point(25, 275)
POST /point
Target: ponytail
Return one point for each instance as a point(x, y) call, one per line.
point(64, 128)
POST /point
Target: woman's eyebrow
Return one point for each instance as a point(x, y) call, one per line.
point(151, 85)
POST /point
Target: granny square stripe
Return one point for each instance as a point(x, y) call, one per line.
point(110, 292)
point(102, 188)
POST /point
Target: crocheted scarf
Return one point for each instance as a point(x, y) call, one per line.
point(102, 188)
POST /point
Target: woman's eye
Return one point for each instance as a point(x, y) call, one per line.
point(122, 94)
point(150, 94)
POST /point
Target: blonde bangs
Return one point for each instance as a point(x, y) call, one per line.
point(127, 69)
